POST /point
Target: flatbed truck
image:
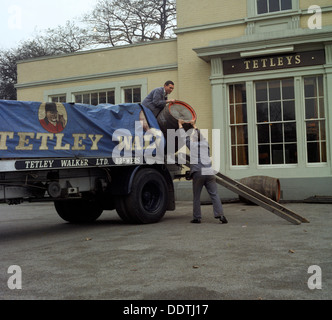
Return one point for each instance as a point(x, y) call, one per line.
point(85, 159)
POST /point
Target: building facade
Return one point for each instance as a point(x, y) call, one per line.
point(258, 72)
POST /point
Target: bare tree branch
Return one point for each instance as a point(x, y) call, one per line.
point(131, 21)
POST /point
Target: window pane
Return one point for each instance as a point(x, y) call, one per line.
point(234, 156)
point(275, 111)
point(276, 133)
point(110, 97)
point(102, 97)
point(320, 86)
point(86, 98)
point(242, 154)
point(310, 87)
point(240, 93)
point(312, 131)
point(322, 130)
point(274, 5)
point(289, 110)
point(311, 110)
point(261, 91)
point(313, 152)
point(323, 151)
point(288, 89)
point(232, 114)
point(291, 153)
point(264, 154)
point(286, 4)
point(261, 6)
point(94, 99)
point(78, 98)
point(321, 108)
point(238, 124)
point(231, 94)
point(274, 90)
point(137, 95)
point(264, 133)
point(277, 154)
point(242, 135)
point(233, 136)
point(262, 112)
point(128, 95)
point(241, 113)
point(290, 132)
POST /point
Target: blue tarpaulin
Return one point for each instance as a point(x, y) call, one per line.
point(35, 129)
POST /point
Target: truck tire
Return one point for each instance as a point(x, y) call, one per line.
point(120, 206)
point(78, 211)
point(147, 202)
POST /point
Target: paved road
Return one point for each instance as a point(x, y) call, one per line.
point(256, 256)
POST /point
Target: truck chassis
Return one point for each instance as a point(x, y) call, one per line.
point(85, 187)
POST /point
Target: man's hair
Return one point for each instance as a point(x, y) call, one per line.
point(167, 83)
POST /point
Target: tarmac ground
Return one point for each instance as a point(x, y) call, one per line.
point(256, 256)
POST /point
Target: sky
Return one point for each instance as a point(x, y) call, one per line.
point(21, 19)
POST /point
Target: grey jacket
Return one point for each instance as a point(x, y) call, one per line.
point(199, 152)
point(156, 100)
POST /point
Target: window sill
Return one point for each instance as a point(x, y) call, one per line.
point(273, 15)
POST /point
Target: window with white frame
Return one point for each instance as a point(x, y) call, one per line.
point(132, 95)
point(315, 119)
point(238, 124)
point(276, 122)
point(281, 129)
point(59, 98)
point(95, 98)
point(268, 6)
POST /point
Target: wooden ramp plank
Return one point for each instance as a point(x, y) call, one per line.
point(257, 201)
point(257, 198)
point(255, 194)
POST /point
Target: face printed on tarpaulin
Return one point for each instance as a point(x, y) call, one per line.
point(53, 117)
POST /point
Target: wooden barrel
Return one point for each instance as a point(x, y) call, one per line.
point(267, 186)
point(169, 116)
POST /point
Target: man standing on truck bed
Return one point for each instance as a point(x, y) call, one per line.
point(158, 98)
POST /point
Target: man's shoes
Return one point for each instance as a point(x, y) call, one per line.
point(222, 219)
point(195, 221)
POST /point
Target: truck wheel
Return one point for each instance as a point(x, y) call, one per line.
point(147, 202)
point(78, 211)
point(120, 206)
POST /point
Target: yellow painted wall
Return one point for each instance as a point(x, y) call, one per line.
point(326, 16)
point(99, 61)
point(194, 73)
point(304, 4)
point(197, 12)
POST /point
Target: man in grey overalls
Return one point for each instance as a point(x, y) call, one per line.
point(201, 172)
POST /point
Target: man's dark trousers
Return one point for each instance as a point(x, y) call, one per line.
point(209, 181)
